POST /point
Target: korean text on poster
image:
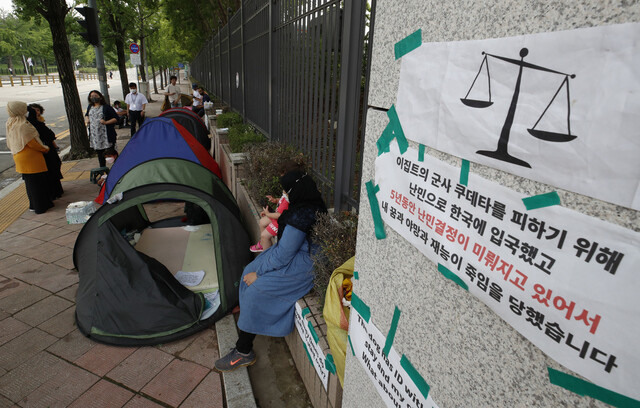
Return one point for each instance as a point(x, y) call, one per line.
point(566, 281)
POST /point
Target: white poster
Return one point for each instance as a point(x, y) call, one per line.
point(567, 282)
point(392, 381)
point(135, 59)
point(562, 108)
point(311, 345)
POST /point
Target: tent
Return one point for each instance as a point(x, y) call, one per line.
point(129, 264)
point(157, 138)
point(192, 122)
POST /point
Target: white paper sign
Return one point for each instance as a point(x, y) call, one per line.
point(314, 350)
point(391, 380)
point(564, 103)
point(135, 59)
point(565, 281)
point(189, 278)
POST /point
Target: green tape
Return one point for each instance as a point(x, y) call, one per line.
point(361, 307)
point(421, 149)
point(394, 121)
point(415, 376)
point(305, 311)
point(392, 332)
point(375, 210)
point(385, 139)
point(308, 355)
point(351, 345)
point(452, 276)
point(464, 172)
point(408, 44)
point(329, 364)
point(585, 388)
point(355, 275)
point(313, 332)
point(541, 200)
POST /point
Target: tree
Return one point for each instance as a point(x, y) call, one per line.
point(194, 23)
point(9, 30)
point(55, 12)
point(145, 10)
point(118, 16)
point(164, 49)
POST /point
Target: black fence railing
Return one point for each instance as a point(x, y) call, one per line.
point(297, 71)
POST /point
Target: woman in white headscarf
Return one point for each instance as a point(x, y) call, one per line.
point(27, 150)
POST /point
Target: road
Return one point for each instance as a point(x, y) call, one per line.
point(50, 97)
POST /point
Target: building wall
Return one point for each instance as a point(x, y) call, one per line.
point(469, 356)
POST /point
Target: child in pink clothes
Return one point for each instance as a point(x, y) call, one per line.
point(269, 222)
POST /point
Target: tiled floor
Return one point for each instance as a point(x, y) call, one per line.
point(45, 361)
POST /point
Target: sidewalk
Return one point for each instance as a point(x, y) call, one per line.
point(44, 360)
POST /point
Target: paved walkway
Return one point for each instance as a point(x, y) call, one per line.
point(44, 360)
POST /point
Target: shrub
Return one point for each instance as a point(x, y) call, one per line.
point(336, 236)
point(264, 160)
point(227, 120)
point(242, 135)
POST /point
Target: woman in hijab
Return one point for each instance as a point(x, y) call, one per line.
point(101, 119)
point(27, 150)
point(281, 275)
point(51, 157)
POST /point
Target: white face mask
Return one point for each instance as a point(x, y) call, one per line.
point(109, 160)
point(134, 91)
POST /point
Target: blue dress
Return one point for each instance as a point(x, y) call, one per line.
point(284, 276)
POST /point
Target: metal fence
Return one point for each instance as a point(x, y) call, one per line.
point(297, 71)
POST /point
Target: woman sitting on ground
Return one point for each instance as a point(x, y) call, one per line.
point(281, 275)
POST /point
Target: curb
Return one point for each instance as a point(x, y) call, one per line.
point(237, 387)
point(8, 189)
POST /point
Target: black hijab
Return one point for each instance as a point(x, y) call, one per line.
point(305, 201)
point(46, 135)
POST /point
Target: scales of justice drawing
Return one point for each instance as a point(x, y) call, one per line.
point(502, 150)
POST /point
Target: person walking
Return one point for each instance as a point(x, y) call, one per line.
point(51, 158)
point(27, 150)
point(136, 103)
point(101, 119)
point(173, 92)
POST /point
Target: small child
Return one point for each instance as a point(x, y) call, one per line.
point(269, 222)
point(110, 155)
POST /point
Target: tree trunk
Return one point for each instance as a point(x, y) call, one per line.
point(122, 68)
point(160, 69)
point(116, 26)
point(222, 15)
point(10, 66)
point(44, 65)
point(153, 74)
point(143, 68)
point(77, 129)
point(205, 24)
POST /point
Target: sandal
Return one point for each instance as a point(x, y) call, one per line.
point(256, 248)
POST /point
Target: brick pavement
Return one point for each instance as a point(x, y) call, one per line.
point(45, 361)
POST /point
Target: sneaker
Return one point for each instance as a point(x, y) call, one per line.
point(234, 360)
point(256, 248)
